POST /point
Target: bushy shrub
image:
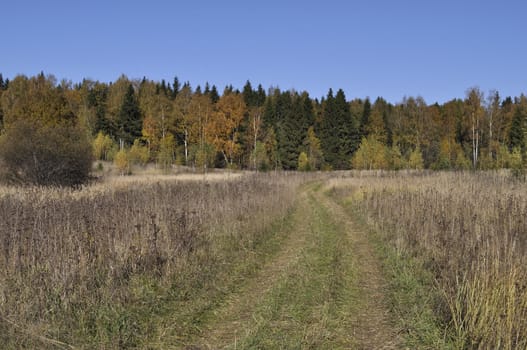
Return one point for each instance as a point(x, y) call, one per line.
point(139, 153)
point(303, 162)
point(122, 162)
point(103, 147)
point(36, 154)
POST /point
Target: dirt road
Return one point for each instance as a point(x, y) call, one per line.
point(324, 289)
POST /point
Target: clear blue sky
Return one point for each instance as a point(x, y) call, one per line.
point(435, 49)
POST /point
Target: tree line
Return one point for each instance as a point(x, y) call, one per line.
point(139, 121)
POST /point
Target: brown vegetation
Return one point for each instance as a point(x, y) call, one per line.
point(36, 154)
point(470, 230)
point(69, 259)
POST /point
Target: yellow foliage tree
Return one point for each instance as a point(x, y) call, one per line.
point(314, 151)
point(376, 127)
point(159, 115)
point(121, 162)
point(370, 155)
point(447, 154)
point(223, 127)
point(200, 117)
point(102, 146)
point(502, 157)
point(394, 158)
point(461, 162)
point(139, 153)
point(165, 156)
point(36, 99)
point(303, 162)
point(415, 160)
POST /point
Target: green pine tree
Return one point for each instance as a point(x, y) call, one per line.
point(260, 95)
point(214, 95)
point(249, 95)
point(287, 130)
point(338, 132)
point(365, 118)
point(517, 131)
point(345, 131)
point(327, 128)
point(129, 118)
point(97, 99)
point(176, 86)
point(269, 115)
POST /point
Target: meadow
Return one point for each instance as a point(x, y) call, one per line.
point(91, 266)
point(469, 231)
point(151, 262)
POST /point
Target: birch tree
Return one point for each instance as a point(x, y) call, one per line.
point(474, 113)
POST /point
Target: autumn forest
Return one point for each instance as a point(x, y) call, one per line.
point(139, 121)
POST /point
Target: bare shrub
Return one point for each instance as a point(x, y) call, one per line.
point(43, 155)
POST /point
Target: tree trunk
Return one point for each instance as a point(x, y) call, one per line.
point(474, 157)
point(186, 147)
point(490, 135)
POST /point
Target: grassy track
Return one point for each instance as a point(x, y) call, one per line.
point(322, 290)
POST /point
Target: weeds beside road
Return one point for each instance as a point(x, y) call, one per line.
point(345, 260)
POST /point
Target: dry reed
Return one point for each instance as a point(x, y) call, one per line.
point(470, 229)
point(65, 252)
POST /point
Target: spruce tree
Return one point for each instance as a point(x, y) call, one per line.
point(249, 95)
point(517, 131)
point(260, 95)
point(365, 118)
point(214, 96)
point(97, 99)
point(287, 147)
point(163, 87)
point(269, 115)
point(175, 88)
point(307, 117)
point(327, 128)
point(337, 131)
point(344, 132)
point(129, 118)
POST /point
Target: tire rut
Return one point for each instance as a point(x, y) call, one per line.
point(234, 318)
point(373, 328)
point(369, 323)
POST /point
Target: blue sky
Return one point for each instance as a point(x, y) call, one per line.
point(434, 49)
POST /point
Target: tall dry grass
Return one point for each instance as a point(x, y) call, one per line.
point(66, 256)
point(470, 229)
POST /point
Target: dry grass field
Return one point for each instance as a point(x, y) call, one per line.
point(75, 264)
point(276, 260)
point(470, 231)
